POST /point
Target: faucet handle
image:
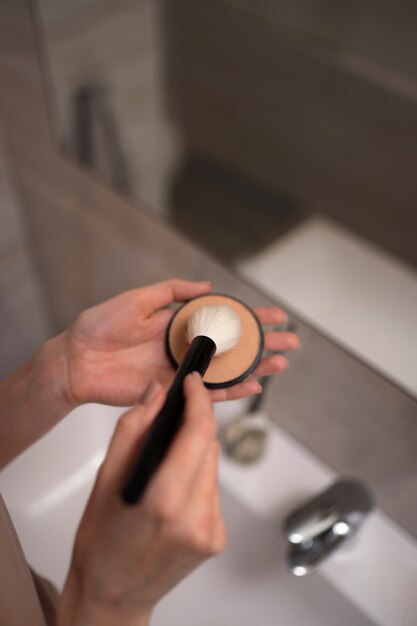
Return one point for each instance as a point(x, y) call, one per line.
point(341, 507)
point(325, 523)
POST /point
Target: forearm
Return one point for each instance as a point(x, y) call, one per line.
point(33, 399)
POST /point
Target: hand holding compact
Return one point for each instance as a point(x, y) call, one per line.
point(110, 355)
point(116, 349)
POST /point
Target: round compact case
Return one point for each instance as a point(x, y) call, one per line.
point(233, 366)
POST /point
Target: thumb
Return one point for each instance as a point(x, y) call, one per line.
point(128, 437)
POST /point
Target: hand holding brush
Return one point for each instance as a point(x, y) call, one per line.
point(211, 331)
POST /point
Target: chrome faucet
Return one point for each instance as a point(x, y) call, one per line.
point(325, 523)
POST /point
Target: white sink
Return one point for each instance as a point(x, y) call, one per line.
point(349, 288)
point(373, 583)
point(249, 584)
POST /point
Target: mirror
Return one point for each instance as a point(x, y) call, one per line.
point(239, 123)
point(237, 119)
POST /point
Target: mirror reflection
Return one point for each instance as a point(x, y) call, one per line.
point(266, 147)
point(237, 119)
point(277, 136)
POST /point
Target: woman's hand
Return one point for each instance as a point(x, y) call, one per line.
point(126, 558)
point(110, 355)
point(114, 350)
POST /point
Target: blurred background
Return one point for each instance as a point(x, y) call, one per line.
point(270, 146)
point(237, 119)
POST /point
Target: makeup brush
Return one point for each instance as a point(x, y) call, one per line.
point(211, 331)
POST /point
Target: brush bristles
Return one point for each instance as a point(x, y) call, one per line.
point(219, 322)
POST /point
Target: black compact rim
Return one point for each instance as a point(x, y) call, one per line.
point(238, 379)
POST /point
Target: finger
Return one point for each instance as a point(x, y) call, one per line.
point(205, 480)
point(216, 533)
point(174, 290)
point(281, 341)
point(219, 533)
point(160, 320)
point(127, 437)
point(201, 507)
point(177, 472)
point(270, 314)
point(271, 365)
point(242, 390)
point(201, 515)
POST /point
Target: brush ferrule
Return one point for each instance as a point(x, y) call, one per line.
point(199, 355)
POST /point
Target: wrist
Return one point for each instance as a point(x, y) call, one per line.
point(75, 609)
point(34, 398)
point(53, 376)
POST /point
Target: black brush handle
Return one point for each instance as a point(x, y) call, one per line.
point(168, 420)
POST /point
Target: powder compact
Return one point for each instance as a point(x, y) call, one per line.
point(231, 367)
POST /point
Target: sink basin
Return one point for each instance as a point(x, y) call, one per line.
point(249, 584)
point(371, 583)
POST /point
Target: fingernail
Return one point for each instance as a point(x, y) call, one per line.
point(281, 361)
point(281, 316)
point(150, 393)
point(294, 341)
point(196, 376)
